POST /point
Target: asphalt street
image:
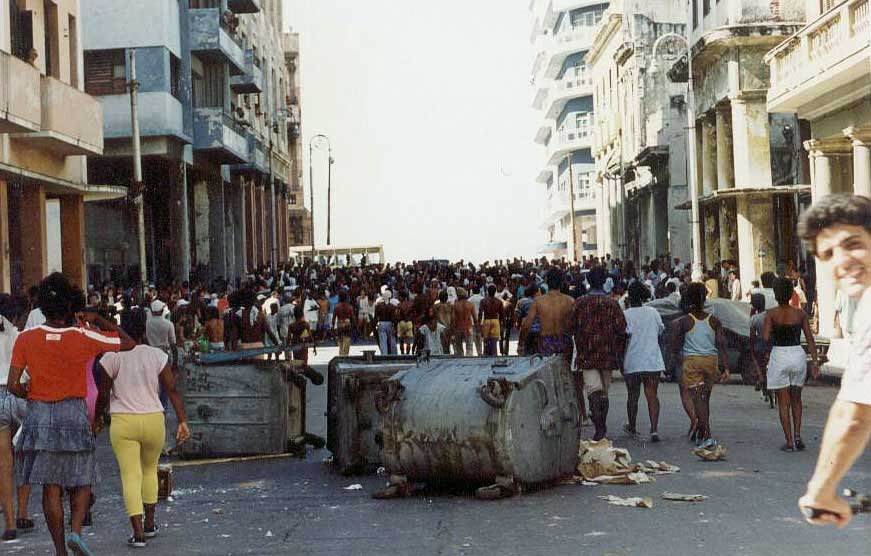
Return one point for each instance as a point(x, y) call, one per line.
point(298, 506)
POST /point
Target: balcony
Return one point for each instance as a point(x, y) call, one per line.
point(71, 121)
point(562, 45)
point(212, 40)
point(558, 203)
point(251, 81)
point(565, 90)
point(217, 134)
point(244, 6)
point(19, 95)
point(566, 141)
point(824, 66)
point(258, 158)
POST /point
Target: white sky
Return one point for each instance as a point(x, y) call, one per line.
point(427, 105)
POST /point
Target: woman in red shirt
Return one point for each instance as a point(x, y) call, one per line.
point(57, 446)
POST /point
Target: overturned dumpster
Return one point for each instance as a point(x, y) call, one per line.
point(493, 423)
point(240, 404)
point(353, 423)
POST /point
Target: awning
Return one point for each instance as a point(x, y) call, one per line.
point(729, 193)
point(58, 186)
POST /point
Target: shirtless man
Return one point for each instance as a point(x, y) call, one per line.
point(553, 310)
point(344, 322)
point(405, 329)
point(490, 315)
point(464, 319)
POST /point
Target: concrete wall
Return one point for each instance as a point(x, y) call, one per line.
point(131, 24)
point(582, 104)
point(159, 114)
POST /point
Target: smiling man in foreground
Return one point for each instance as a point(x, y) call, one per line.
point(838, 229)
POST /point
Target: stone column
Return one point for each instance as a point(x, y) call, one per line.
point(755, 236)
point(217, 230)
point(179, 215)
point(728, 232)
point(201, 225)
point(831, 171)
point(709, 156)
point(725, 151)
point(601, 212)
point(250, 225)
point(229, 231)
point(72, 238)
point(750, 141)
point(241, 228)
point(262, 225)
point(34, 251)
point(5, 267)
point(710, 235)
point(861, 139)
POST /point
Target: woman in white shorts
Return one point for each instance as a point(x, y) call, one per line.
point(787, 364)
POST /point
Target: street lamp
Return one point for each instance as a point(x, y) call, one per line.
point(691, 150)
point(320, 137)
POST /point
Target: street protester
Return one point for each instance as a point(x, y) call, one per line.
point(507, 324)
point(385, 316)
point(299, 336)
point(13, 313)
point(343, 324)
point(643, 363)
point(787, 362)
point(465, 320)
point(444, 313)
point(130, 389)
point(552, 311)
point(57, 448)
point(527, 343)
point(160, 332)
point(490, 317)
point(599, 329)
point(760, 349)
point(701, 344)
point(213, 329)
point(475, 299)
point(433, 333)
point(837, 230)
point(405, 328)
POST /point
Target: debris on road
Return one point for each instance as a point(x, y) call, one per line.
point(675, 497)
point(634, 502)
point(659, 468)
point(602, 458)
point(575, 480)
point(716, 453)
point(627, 479)
point(356, 486)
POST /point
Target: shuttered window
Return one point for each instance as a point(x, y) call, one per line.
point(105, 72)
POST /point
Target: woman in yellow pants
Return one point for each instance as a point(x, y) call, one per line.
point(130, 386)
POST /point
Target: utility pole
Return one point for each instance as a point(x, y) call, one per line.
point(272, 215)
point(311, 190)
point(329, 194)
point(572, 209)
point(138, 190)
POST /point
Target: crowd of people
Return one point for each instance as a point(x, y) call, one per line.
point(83, 360)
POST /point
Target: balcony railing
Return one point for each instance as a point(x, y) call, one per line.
point(834, 37)
point(213, 38)
point(66, 131)
point(250, 82)
point(563, 142)
point(20, 109)
point(558, 202)
point(220, 135)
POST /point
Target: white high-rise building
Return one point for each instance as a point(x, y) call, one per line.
point(562, 35)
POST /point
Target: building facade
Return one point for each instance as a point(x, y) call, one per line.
point(751, 167)
point(43, 143)
point(639, 135)
point(822, 73)
point(214, 94)
point(562, 36)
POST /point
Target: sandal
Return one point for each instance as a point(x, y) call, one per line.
point(654, 437)
point(799, 445)
point(24, 525)
point(9, 535)
point(787, 448)
point(77, 546)
point(629, 431)
point(136, 542)
point(151, 533)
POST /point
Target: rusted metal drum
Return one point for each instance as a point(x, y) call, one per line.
point(353, 423)
point(237, 405)
point(481, 420)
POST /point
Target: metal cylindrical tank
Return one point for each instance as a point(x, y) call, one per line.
point(481, 420)
point(237, 405)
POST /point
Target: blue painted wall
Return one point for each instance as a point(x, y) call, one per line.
point(582, 104)
point(152, 69)
point(569, 64)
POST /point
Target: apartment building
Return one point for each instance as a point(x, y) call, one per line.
point(751, 166)
point(822, 73)
point(214, 119)
point(562, 35)
point(48, 125)
point(639, 135)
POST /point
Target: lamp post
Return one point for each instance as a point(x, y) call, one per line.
point(691, 150)
point(311, 184)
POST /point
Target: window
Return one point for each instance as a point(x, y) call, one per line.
point(74, 51)
point(209, 88)
point(21, 28)
point(52, 38)
point(105, 72)
point(695, 14)
point(196, 4)
point(174, 76)
point(582, 123)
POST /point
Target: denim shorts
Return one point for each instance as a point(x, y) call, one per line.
point(12, 409)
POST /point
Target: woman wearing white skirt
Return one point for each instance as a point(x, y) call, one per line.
point(787, 364)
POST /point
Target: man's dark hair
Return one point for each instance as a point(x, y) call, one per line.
point(854, 210)
point(638, 294)
point(783, 290)
point(298, 312)
point(554, 279)
point(695, 297)
point(531, 290)
point(768, 279)
point(12, 307)
point(56, 296)
point(491, 291)
point(596, 277)
point(133, 323)
point(671, 287)
point(757, 301)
